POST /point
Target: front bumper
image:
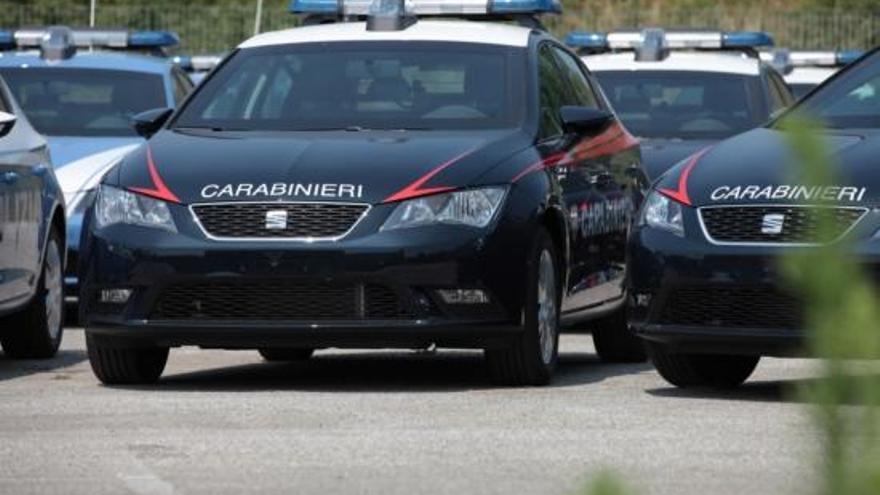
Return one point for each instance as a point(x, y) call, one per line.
point(191, 290)
point(693, 296)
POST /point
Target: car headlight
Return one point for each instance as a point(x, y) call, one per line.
point(472, 207)
point(663, 213)
point(117, 206)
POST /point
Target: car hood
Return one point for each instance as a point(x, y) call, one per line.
point(760, 167)
point(659, 155)
point(364, 167)
point(78, 177)
point(66, 150)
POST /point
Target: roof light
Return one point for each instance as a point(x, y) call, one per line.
point(101, 38)
point(747, 39)
point(153, 39)
point(429, 7)
point(824, 59)
point(587, 41)
point(848, 57)
point(673, 40)
point(7, 40)
point(57, 44)
point(653, 47)
point(525, 7)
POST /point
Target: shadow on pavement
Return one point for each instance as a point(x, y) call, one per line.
point(381, 372)
point(789, 391)
point(15, 368)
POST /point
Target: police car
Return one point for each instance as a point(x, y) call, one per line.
point(392, 178)
point(80, 88)
point(32, 244)
point(680, 91)
point(805, 70)
point(198, 66)
point(706, 293)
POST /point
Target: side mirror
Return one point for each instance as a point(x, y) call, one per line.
point(7, 122)
point(148, 123)
point(584, 120)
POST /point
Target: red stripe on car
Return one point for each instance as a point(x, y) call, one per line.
point(159, 189)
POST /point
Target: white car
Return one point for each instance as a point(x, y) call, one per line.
point(805, 70)
point(683, 91)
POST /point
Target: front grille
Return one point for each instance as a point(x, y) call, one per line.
point(755, 224)
point(278, 300)
point(300, 220)
point(733, 307)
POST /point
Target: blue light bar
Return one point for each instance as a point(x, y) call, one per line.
point(183, 61)
point(843, 58)
point(746, 39)
point(153, 39)
point(525, 7)
point(587, 40)
point(314, 6)
point(7, 40)
point(430, 7)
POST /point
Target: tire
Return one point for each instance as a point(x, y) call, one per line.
point(36, 332)
point(702, 370)
point(530, 358)
point(614, 341)
point(117, 365)
point(286, 354)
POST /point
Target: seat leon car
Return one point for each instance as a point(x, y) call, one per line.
point(705, 282)
point(389, 181)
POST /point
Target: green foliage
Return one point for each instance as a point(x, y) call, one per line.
point(606, 483)
point(842, 316)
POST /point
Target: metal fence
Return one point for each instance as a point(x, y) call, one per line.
point(207, 29)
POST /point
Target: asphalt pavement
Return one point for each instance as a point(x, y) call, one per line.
point(395, 422)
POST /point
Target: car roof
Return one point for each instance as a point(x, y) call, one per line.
point(85, 59)
point(424, 30)
point(810, 75)
point(729, 62)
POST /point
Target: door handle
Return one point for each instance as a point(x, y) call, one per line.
point(10, 177)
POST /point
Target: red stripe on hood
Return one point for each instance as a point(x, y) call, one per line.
point(416, 189)
point(159, 190)
point(681, 194)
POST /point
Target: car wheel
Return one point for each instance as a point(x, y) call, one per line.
point(531, 357)
point(702, 370)
point(614, 341)
point(36, 332)
point(286, 354)
point(123, 365)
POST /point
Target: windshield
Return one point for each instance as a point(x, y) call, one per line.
point(851, 100)
point(84, 102)
point(801, 89)
point(684, 105)
point(373, 85)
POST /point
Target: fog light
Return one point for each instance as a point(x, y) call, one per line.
point(114, 296)
point(463, 296)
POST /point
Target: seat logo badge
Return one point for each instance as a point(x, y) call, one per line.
point(276, 220)
point(773, 224)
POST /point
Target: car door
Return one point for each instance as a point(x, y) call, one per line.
point(23, 173)
point(598, 188)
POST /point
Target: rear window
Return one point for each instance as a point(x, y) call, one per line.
point(375, 85)
point(685, 105)
point(86, 102)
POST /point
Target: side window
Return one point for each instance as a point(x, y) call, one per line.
point(581, 92)
point(4, 106)
point(553, 93)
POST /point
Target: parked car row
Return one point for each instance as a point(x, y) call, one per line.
point(391, 175)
